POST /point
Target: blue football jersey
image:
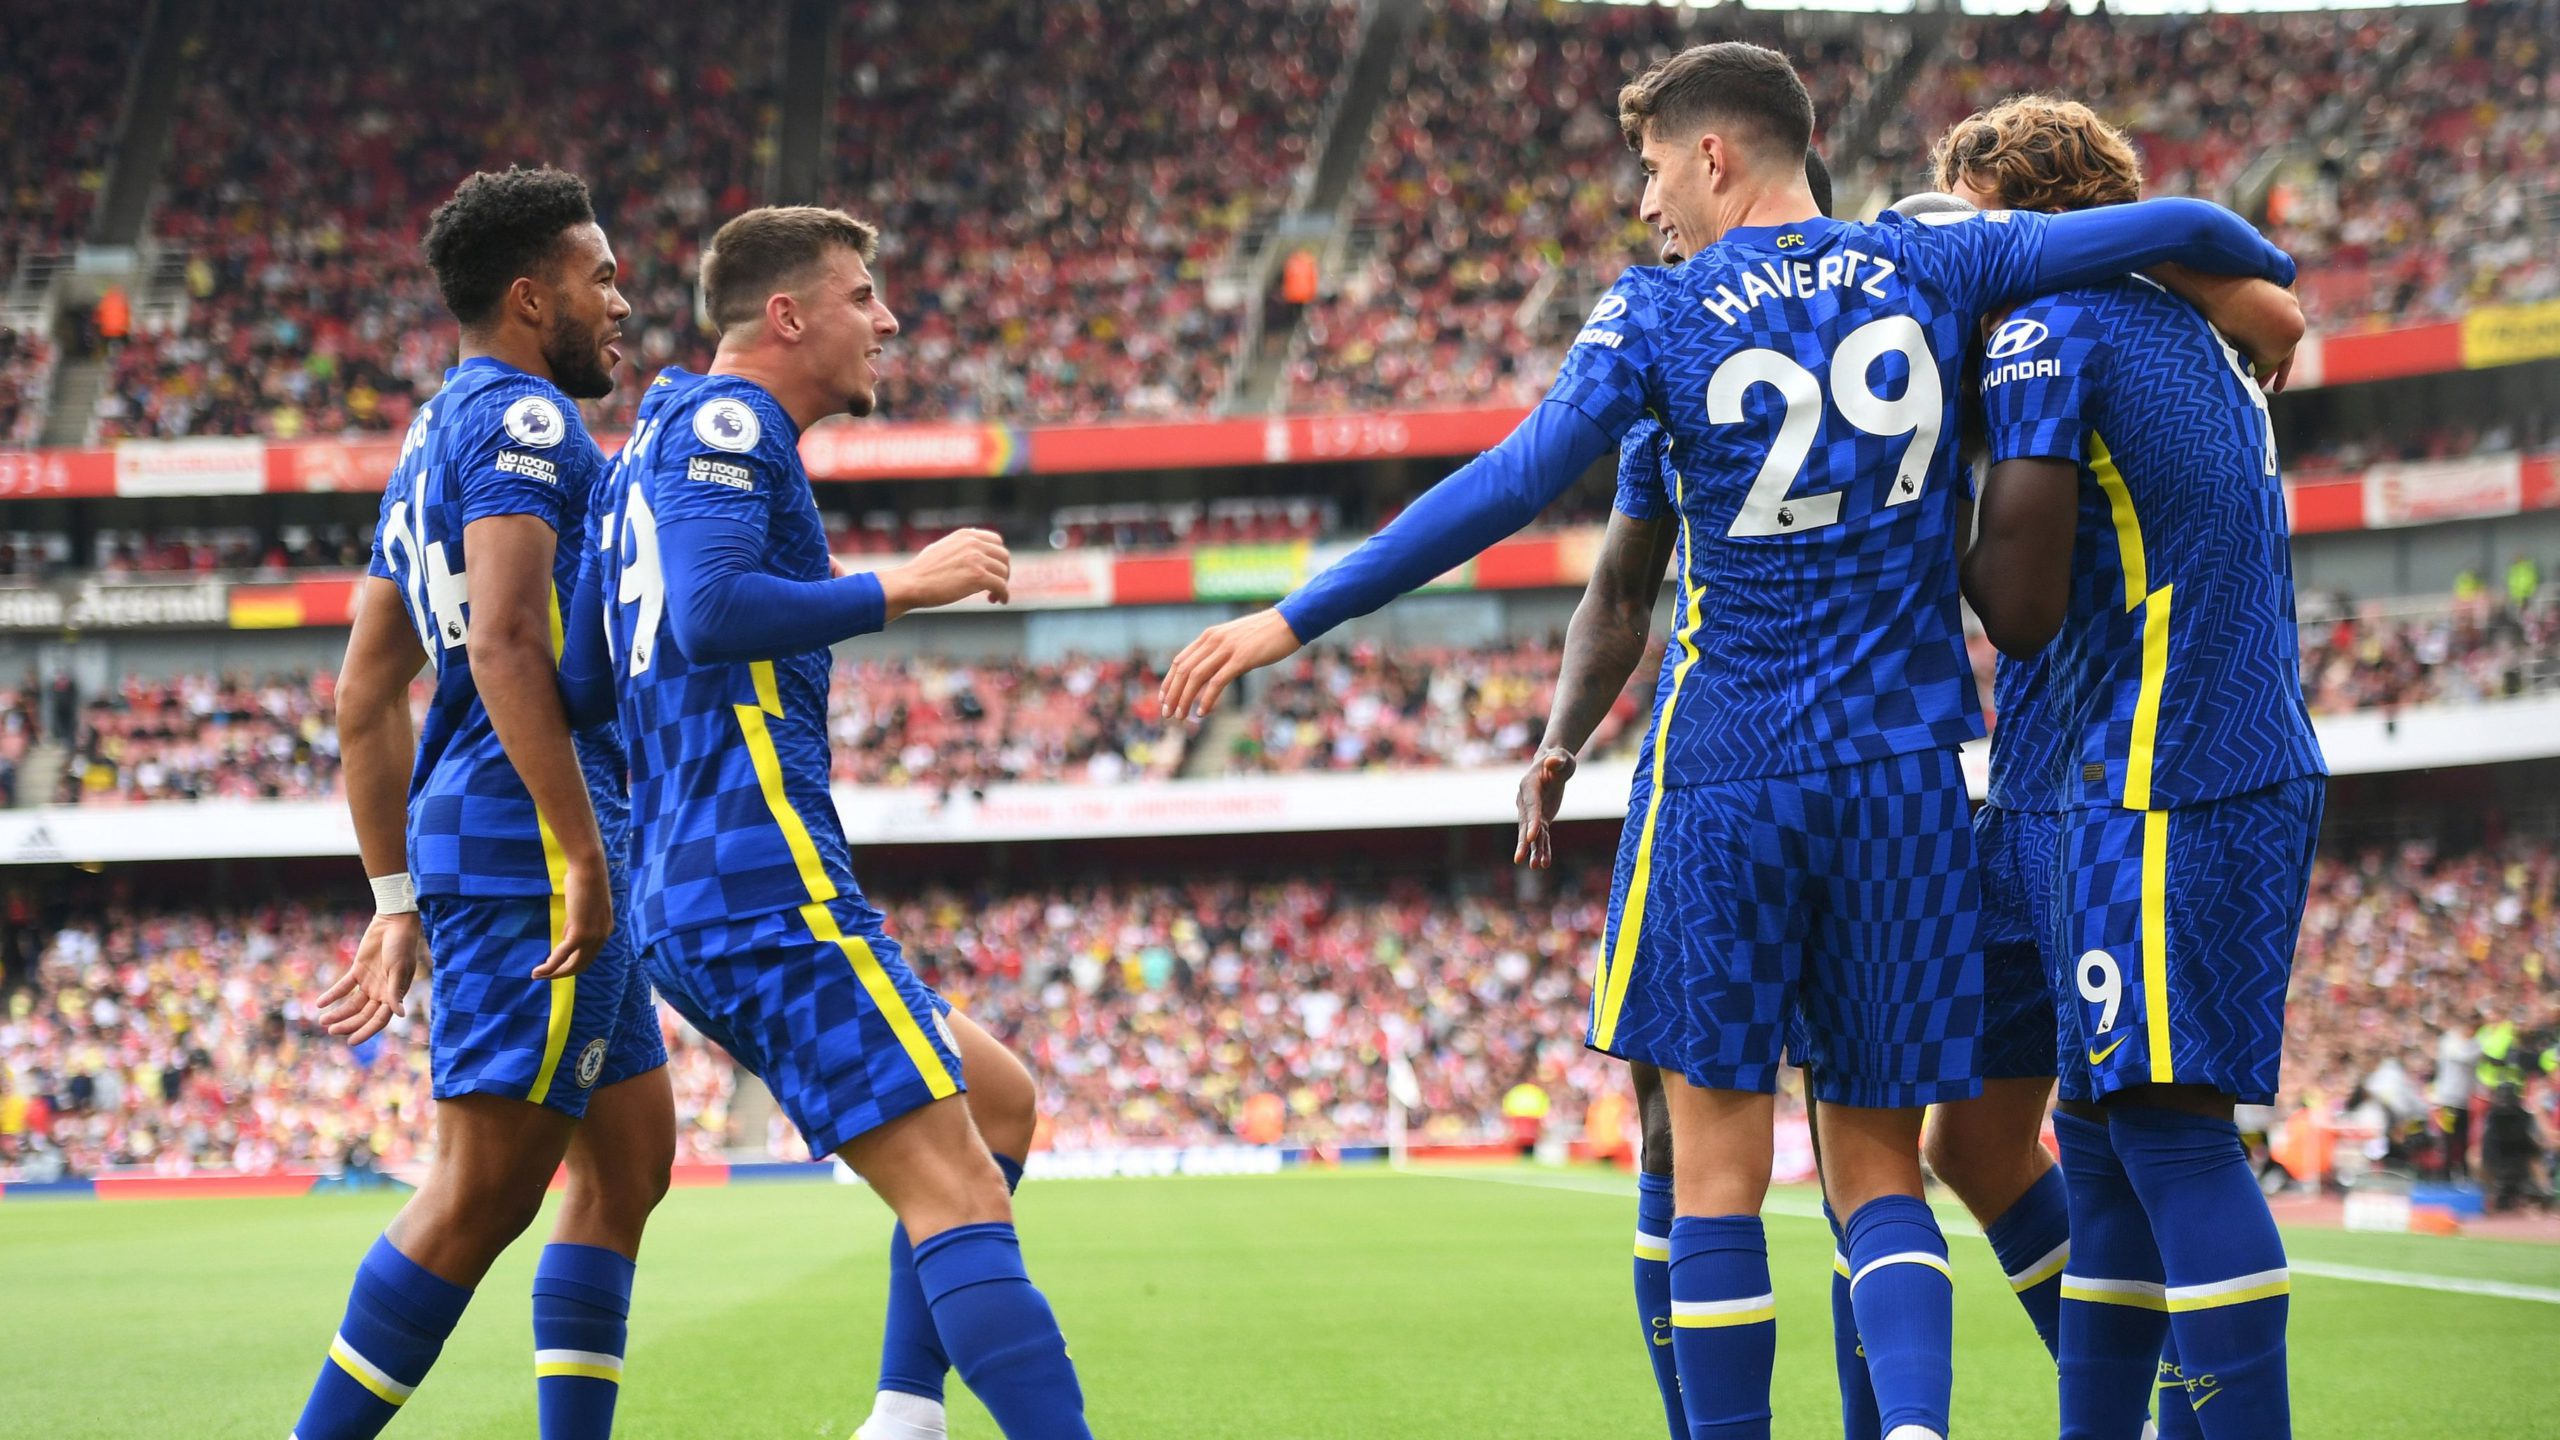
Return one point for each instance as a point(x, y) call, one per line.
point(1644, 468)
point(2176, 677)
point(494, 441)
point(731, 811)
point(1805, 377)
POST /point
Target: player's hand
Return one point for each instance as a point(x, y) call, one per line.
point(951, 569)
point(374, 989)
point(2276, 379)
point(1222, 655)
point(588, 921)
point(1541, 791)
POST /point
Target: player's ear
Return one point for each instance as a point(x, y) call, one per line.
point(782, 314)
point(525, 300)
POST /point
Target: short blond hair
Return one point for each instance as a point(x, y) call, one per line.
point(2040, 152)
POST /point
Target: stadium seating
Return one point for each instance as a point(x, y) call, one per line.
point(176, 1041)
point(309, 310)
point(1046, 246)
point(1151, 1010)
point(953, 725)
point(1053, 260)
point(1496, 165)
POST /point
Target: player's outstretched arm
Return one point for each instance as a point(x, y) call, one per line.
point(517, 675)
point(2262, 318)
point(2017, 572)
point(1486, 499)
point(1603, 644)
point(2082, 247)
point(377, 746)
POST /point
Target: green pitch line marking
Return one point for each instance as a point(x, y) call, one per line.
point(1953, 1219)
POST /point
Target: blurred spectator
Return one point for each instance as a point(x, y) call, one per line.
point(1046, 242)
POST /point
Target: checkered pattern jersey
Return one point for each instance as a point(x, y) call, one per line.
point(494, 441)
point(2176, 676)
point(731, 814)
point(1804, 378)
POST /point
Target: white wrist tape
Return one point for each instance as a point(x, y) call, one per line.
point(395, 894)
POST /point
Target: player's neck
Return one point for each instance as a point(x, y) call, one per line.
point(798, 399)
point(1784, 205)
point(522, 352)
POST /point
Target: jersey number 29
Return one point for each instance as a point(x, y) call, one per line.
point(1920, 412)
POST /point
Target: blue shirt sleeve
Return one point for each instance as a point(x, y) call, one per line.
point(2042, 374)
point(1641, 458)
point(1980, 260)
point(713, 507)
point(518, 462)
point(586, 654)
point(1599, 394)
point(1607, 373)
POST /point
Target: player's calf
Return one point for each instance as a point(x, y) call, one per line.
point(494, 1157)
point(618, 1168)
point(1990, 1151)
point(1653, 1244)
point(1004, 1106)
point(933, 1170)
point(2228, 1289)
point(1901, 1288)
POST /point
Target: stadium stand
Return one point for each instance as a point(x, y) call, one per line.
point(176, 1038)
point(1048, 249)
point(1052, 264)
point(951, 725)
point(1496, 182)
point(308, 311)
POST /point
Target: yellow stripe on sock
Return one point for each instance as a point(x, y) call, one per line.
point(367, 1374)
point(1724, 1319)
point(1617, 963)
point(2136, 1297)
point(2239, 1290)
point(2042, 1270)
point(555, 1369)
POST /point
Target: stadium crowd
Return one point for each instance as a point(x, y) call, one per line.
point(1177, 1011)
point(1494, 165)
point(1056, 256)
point(961, 725)
point(2476, 648)
point(205, 737)
point(170, 1041)
point(1049, 246)
point(313, 140)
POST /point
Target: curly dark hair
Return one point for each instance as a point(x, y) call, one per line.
point(497, 227)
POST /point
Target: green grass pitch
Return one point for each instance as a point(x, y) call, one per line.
point(1361, 1303)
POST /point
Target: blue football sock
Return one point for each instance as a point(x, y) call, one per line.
point(581, 1319)
point(2033, 1240)
point(2169, 1397)
point(2114, 1314)
point(1858, 1418)
point(398, 1316)
point(911, 1358)
point(1724, 1324)
point(1904, 1294)
point(2228, 1290)
point(1000, 1333)
point(1653, 1294)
